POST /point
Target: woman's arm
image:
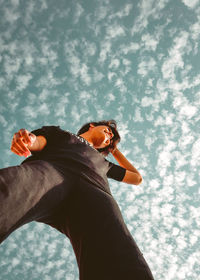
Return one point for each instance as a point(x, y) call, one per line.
point(24, 142)
point(132, 175)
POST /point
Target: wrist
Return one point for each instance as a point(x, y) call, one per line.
point(114, 151)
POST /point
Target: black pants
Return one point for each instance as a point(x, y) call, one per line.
point(88, 215)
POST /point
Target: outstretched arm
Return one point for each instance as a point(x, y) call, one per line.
point(24, 142)
point(132, 175)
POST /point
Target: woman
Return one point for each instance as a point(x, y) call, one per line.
point(64, 184)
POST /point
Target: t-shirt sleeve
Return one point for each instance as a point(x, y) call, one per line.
point(116, 172)
point(52, 134)
point(49, 132)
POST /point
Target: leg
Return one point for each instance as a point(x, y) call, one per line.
point(103, 245)
point(27, 193)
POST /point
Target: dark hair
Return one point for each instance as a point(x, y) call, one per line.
point(113, 126)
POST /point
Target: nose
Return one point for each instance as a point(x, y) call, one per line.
point(110, 134)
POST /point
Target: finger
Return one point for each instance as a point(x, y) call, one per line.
point(15, 151)
point(25, 136)
point(20, 146)
point(32, 138)
point(14, 146)
point(16, 135)
point(18, 149)
point(20, 152)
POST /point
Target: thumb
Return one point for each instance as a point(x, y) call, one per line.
point(32, 138)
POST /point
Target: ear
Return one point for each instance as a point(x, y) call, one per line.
point(91, 126)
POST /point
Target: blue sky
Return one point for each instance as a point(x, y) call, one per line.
point(70, 62)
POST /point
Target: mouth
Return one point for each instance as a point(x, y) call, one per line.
point(107, 137)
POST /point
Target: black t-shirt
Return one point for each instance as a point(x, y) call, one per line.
point(69, 152)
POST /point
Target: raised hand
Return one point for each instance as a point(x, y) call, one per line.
point(22, 142)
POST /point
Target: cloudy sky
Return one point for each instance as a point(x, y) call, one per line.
point(69, 62)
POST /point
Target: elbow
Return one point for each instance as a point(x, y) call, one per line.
point(139, 180)
point(132, 178)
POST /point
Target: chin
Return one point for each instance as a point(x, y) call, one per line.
point(99, 142)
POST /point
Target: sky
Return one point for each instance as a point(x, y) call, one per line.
point(70, 62)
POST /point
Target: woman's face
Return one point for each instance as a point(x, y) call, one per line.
point(101, 135)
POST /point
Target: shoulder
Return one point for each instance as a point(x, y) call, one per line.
point(52, 133)
point(51, 128)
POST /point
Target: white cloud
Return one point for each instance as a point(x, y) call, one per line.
point(137, 116)
point(183, 107)
point(114, 63)
point(195, 30)
point(147, 101)
point(191, 3)
point(146, 66)
point(147, 8)
point(114, 31)
point(43, 96)
point(111, 75)
point(11, 65)
point(97, 76)
point(15, 2)
point(195, 159)
point(129, 48)
point(149, 42)
point(78, 13)
point(156, 101)
point(167, 119)
point(75, 115)
point(48, 81)
point(124, 130)
point(124, 12)
point(130, 212)
point(168, 181)
point(84, 97)
point(29, 60)
point(60, 274)
point(154, 184)
point(48, 53)
point(44, 5)
point(188, 111)
point(10, 15)
point(149, 140)
point(119, 83)
point(105, 50)
point(61, 106)
point(43, 110)
point(3, 121)
point(180, 177)
point(89, 48)
point(29, 112)
point(175, 60)
point(175, 231)
point(85, 77)
point(110, 98)
point(165, 156)
point(126, 62)
point(101, 12)
point(28, 15)
point(23, 81)
point(14, 262)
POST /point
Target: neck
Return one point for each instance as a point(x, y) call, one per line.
point(86, 136)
